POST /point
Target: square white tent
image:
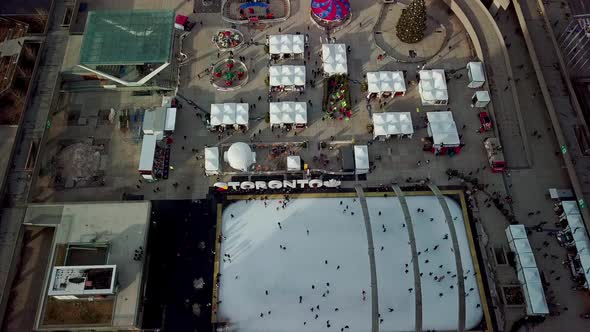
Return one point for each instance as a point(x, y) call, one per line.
point(476, 75)
point(212, 161)
point(480, 99)
point(287, 76)
point(580, 236)
point(361, 159)
point(386, 83)
point(392, 123)
point(170, 119)
point(286, 44)
point(229, 114)
point(288, 113)
point(433, 87)
point(334, 59)
point(443, 129)
point(527, 271)
point(293, 163)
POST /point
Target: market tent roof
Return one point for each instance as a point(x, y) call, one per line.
point(127, 37)
point(242, 113)
point(300, 112)
point(482, 95)
point(579, 234)
point(433, 85)
point(386, 81)
point(392, 123)
point(239, 156)
point(293, 163)
point(330, 10)
point(477, 72)
point(536, 304)
point(287, 75)
point(442, 128)
point(212, 159)
point(216, 114)
point(334, 58)
point(516, 232)
point(288, 112)
point(361, 157)
point(148, 150)
point(286, 44)
point(229, 114)
point(527, 260)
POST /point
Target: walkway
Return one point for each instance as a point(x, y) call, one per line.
point(456, 251)
point(506, 106)
point(415, 262)
point(374, 291)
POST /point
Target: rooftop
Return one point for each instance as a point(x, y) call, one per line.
point(127, 37)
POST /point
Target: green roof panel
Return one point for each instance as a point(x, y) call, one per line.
point(127, 37)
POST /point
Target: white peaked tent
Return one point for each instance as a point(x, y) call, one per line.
point(433, 87)
point(392, 123)
point(293, 163)
point(443, 129)
point(361, 159)
point(286, 44)
point(170, 119)
point(580, 236)
point(480, 99)
point(146, 158)
point(476, 75)
point(527, 271)
point(229, 114)
point(287, 76)
point(212, 161)
point(239, 156)
point(386, 83)
point(334, 58)
point(288, 113)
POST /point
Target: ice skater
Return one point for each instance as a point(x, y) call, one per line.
point(300, 298)
point(280, 227)
point(266, 292)
point(390, 309)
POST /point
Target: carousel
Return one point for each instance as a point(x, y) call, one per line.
point(228, 39)
point(229, 75)
point(330, 14)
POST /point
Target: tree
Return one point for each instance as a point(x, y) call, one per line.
point(412, 23)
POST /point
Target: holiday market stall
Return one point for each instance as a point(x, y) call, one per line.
point(336, 101)
point(286, 46)
point(293, 163)
point(212, 161)
point(390, 124)
point(385, 84)
point(433, 87)
point(288, 114)
point(476, 75)
point(286, 78)
point(334, 59)
point(444, 138)
point(480, 99)
point(229, 115)
point(361, 159)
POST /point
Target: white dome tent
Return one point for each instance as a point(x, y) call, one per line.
point(239, 156)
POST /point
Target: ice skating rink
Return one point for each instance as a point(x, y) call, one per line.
point(319, 252)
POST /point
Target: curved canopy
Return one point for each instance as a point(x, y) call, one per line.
point(330, 10)
point(240, 156)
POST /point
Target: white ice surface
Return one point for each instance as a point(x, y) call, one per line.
point(253, 238)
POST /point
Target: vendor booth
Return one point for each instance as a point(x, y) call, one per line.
point(476, 75)
point(154, 122)
point(444, 138)
point(229, 115)
point(334, 59)
point(293, 163)
point(146, 157)
point(212, 161)
point(579, 245)
point(390, 124)
point(239, 156)
point(480, 99)
point(288, 114)
point(385, 84)
point(433, 87)
point(170, 120)
point(286, 78)
point(361, 159)
point(286, 46)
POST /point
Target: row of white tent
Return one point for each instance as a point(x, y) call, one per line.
point(286, 76)
point(229, 114)
point(527, 271)
point(382, 82)
point(286, 44)
point(580, 235)
point(334, 59)
point(392, 123)
point(288, 112)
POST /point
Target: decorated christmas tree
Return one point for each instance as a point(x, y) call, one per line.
point(412, 23)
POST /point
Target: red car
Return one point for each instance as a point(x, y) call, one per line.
point(486, 122)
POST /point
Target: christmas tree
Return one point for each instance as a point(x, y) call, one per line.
point(411, 25)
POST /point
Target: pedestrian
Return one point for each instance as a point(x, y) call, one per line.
point(410, 289)
point(338, 267)
point(300, 298)
point(379, 212)
point(308, 232)
point(231, 215)
point(326, 262)
point(266, 292)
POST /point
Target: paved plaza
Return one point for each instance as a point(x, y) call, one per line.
point(521, 112)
